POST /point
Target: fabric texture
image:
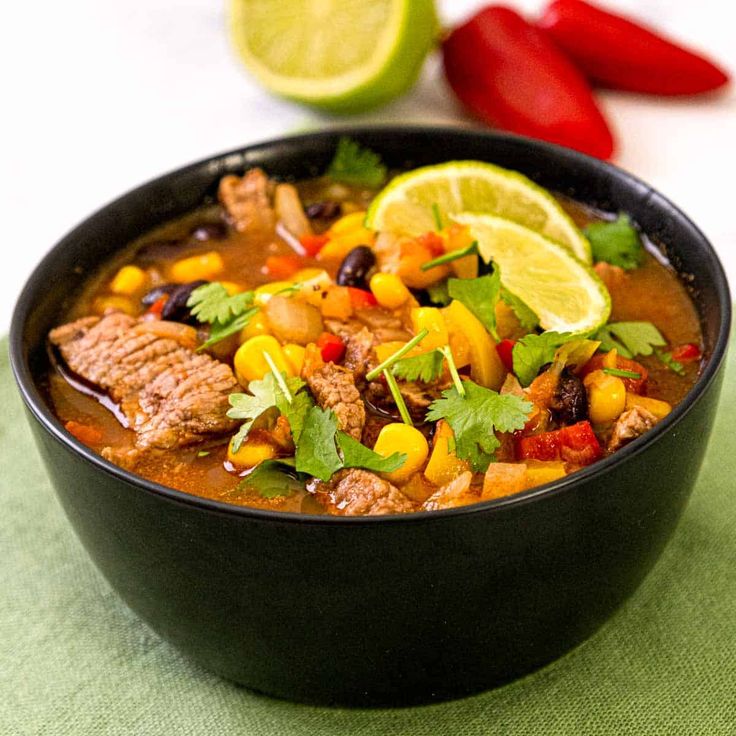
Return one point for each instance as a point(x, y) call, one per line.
point(75, 660)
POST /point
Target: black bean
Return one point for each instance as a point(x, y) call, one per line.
point(422, 297)
point(571, 401)
point(157, 292)
point(355, 267)
point(324, 210)
point(176, 308)
point(209, 231)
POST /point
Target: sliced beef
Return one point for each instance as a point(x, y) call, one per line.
point(247, 200)
point(354, 492)
point(359, 352)
point(417, 397)
point(171, 395)
point(630, 425)
point(333, 387)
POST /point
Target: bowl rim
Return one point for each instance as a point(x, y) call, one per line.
point(40, 410)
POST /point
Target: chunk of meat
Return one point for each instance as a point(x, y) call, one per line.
point(354, 492)
point(247, 200)
point(358, 352)
point(455, 493)
point(630, 425)
point(333, 387)
point(170, 395)
point(417, 397)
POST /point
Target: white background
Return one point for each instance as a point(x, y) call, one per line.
point(101, 95)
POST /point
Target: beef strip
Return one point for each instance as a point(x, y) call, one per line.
point(354, 492)
point(359, 352)
point(170, 395)
point(630, 425)
point(247, 200)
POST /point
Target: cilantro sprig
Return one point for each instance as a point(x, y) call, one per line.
point(480, 296)
point(356, 165)
point(226, 314)
point(426, 367)
point(533, 351)
point(617, 243)
point(630, 338)
point(271, 479)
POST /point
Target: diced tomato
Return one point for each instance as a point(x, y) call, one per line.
point(361, 299)
point(505, 350)
point(634, 385)
point(158, 306)
point(686, 353)
point(313, 244)
point(84, 432)
point(332, 348)
point(433, 243)
point(576, 444)
point(282, 267)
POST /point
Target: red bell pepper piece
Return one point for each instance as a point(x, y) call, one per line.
point(686, 353)
point(511, 75)
point(332, 348)
point(313, 244)
point(616, 52)
point(433, 243)
point(85, 433)
point(576, 444)
point(158, 306)
point(635, 385)
point(361, 299)
point(505, 350)
point(282, 267)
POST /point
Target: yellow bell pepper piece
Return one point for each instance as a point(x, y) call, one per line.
point(432, 320)
point(486, 367)
point(294, 355)
point(344, 235)
point(539, 472)
point(203, 266)
point(250, 365)
point(250, 453)
point(659, 408)
point(402, 438)
point(444, 465)
point(128, 280)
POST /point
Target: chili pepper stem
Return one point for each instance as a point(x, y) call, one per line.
point(400, 353)
point(398, 398)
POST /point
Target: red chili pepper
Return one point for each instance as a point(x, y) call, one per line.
point(505, 350)
point(576, 444)
point(331, 347)
point(282, 267)
point(634, 385)
point(313, 244)
point(511, 75)
point(686, 353)
point(361, 299)
point(616, 52)
point(158, 306)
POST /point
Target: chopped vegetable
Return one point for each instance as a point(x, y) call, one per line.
point(674, 365)
point(426, 367)
point(128, 280)
point(613, 361)
point(576, 444)
point(505, 350)
point(444, 465)
point(356, 455)
point(356, 165)
point(226, 314)
point(250, 452)
point(389, 290)
point(439, 293)
point(410, 441)
point(452, 255)
point(532, 351)
point(660, 409)
point(527, 319)
point(316, 453)
point(313, 244)
point(203, 266)
point(250, 363)
point(431, 321)
point(271, 479)
point(617, 243)
point(686, 353)
point(630, 338)
point(476, 417)
point(606, 397)
point(282, 267)
point(479, 295)
point(361, 299)
point(332, 348)
point(400, 353)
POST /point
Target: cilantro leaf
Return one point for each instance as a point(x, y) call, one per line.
point(210, 303)
point(316, 453)
point(476, 417)
point(532, 351)
point(438, 293)
point(630, 338)
point(357, 455)
point(524, 314)
point(353, 164)
point(296, 409)
point(479, 295)
point(250, 406)
point(426, 367)
point(271, 479)
point(617, 243)
point(674, 365)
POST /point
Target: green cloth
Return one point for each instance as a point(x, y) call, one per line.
point(74, 660)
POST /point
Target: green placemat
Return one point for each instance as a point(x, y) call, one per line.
point(74, 660)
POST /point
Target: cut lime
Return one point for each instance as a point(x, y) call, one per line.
point(564, 293)
point(339, 55)
point(406, 205)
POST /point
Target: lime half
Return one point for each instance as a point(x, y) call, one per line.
point(406, 205)
point(564, 293)
point(339, 55)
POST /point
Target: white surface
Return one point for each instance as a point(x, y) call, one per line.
point(101, 95)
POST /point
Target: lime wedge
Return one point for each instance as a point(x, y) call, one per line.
point(406, 204)
point(563, 292)
point(339, 55)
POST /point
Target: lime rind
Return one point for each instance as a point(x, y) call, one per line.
point(405, 205)
point(565, 293)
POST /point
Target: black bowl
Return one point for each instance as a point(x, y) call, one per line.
point(378, 610)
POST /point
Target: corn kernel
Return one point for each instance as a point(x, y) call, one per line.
point(251, 365)
point(203, 266)
point(128, 280)
point(250, 454)
point(389, 290)
point(294, 355)
point(606, 397)
point(402, 438)
point(258, 325)
point(114, 303)
point(660, 409)
point(347, 223)
point(430, 319)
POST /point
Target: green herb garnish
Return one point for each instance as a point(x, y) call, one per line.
point(532, 351)
point(439, 294)
point(437, 215)
point(630, 338)
point(480, 296)
point(356, 455)
point(271, 479)
point(426, 367)
point(210, 303)
point(453, 255)
point(617, 243)
point(400, 353)
point(621, 373)
point(355, 165)
point(674, 365)
point(527, 319)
